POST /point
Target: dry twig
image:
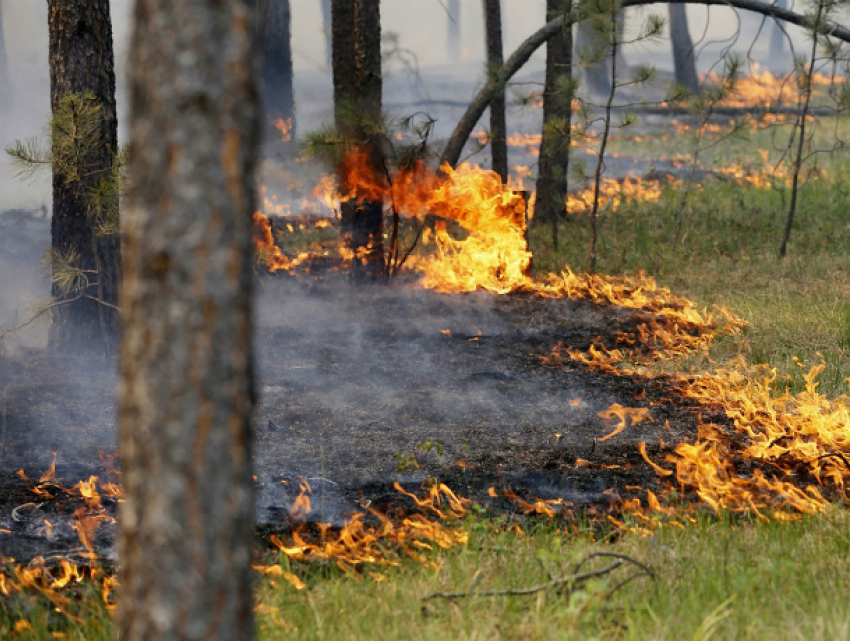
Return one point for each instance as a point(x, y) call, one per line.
point(570, 581)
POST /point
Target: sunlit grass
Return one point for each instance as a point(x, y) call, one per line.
point(797, 307)
point(733, 579)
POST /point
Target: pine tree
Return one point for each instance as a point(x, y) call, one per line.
point(82, 64)
point(185, 392)
point(495, 60)
point(357, 111)
point(275, 19)
point(684, 58)
point(553, 161)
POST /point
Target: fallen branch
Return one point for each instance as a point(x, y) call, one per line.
point(570, 581)
point(485, 95)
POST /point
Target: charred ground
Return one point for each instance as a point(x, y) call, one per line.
point(361, 387)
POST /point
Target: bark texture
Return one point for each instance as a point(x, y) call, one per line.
point(82, 60)
point(185, 393)
point(553, 162)
point(495, 61)
point(684, 60)
point(275, 20)
point(357, 107)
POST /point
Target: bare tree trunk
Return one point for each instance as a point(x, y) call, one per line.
point(777, 35)
point(279, 130)
point(82, 61)
point(453, 29)
point(5, 84)
point(495, 61)
point(553, 162)
point(185, 393)
point(327, 29)
point(357, 90)
point(478, 105)
point(684, 60)
point(593, 45)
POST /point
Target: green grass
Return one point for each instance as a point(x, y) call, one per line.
point(796, 307)
point(722, 578)
point(730, 579)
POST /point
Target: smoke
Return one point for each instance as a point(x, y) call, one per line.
point(355, 386)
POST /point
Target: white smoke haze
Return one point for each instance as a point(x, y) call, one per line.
point(443, 88)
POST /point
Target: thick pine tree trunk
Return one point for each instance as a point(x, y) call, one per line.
point(279, 130)
point(82, 60)
point(453, 30)
point(553, 162)
point(495, 61)
point(357, 91)
point(185, 393)
point(5, 84)
point(684, 60)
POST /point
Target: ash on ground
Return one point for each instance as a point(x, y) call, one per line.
point(361, 387)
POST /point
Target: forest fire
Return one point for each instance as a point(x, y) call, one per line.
point(373, 538)
point(764, 89)
point(791, 445)
point(782, 448)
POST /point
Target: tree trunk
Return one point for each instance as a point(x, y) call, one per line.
point(777, 35)
point(5, 84)
point(478, 105)
point(185, 393)
point(592, 45)
point(684, 60)
point(495, 61)
point(553, 162)
point(82, 60)
point(357, 104)
point(327, 29)
point(275, 20)
point(453, 30)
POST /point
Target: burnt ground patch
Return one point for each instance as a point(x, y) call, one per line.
point(359, 388)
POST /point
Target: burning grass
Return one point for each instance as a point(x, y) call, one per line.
point(775, 453)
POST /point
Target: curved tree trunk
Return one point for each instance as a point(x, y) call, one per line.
point(495, 61)
point(357, 102)
point(684, 60)
point(82, 61)
point(454, 146)
point(279, 99)
point(553, 162)
point(453, 29)
point(185, 393)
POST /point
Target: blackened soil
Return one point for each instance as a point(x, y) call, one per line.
point(361, 387)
